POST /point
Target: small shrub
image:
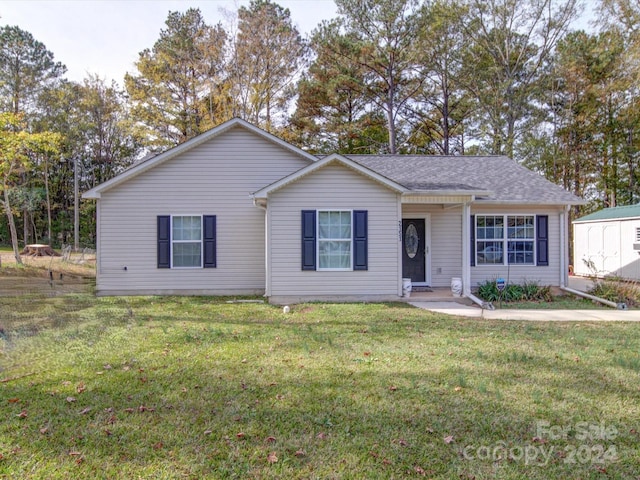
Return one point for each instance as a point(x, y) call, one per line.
point(512, 293)
point(617, 291)
point(529, 291)
point(488, 291)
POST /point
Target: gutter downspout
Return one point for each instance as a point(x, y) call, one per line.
point(399, 249)
point(466, 257)
point(564, 242)
point(564, 264)
point(267, 286)
point(619, 306)
point(466, 247)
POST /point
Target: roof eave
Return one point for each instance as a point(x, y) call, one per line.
point(531, 202)
point(445, 192)
point(611, 219)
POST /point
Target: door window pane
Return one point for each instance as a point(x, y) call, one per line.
point(411, 241)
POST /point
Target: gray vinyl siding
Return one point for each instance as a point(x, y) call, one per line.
point(339, 188)
point(215, 178)
point(549, 275)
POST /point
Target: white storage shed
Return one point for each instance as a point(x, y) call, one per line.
point(607, 242)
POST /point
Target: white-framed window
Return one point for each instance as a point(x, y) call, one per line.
point(186, 241)
point(335, 246)
point(513, 234)
point(637, 234)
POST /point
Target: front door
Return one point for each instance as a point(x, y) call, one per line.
point(413, 249)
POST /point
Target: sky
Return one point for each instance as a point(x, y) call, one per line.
point(104, 37)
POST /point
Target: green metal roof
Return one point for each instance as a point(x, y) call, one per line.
point(612, 213)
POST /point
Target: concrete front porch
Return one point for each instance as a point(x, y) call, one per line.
point(436, 294)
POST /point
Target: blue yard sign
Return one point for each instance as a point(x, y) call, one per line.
point(501, 284)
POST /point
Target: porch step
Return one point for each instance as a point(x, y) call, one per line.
point(437, 294)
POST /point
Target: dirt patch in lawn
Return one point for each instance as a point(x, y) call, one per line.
point(49, 276)
point(11, 286)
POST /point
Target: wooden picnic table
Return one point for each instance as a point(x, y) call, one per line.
point(39, 250)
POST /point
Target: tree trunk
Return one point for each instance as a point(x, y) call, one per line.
point(391, 126)
point(46, 188)
point(445, 116)
point(12, 225)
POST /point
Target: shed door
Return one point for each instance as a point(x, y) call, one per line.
point(413, 249)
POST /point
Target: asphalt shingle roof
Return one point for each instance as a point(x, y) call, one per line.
point(508, 180)
point(612, 213)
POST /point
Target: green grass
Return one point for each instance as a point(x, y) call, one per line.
point(199, 388)
point(563, 302)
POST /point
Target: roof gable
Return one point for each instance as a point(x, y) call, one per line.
point(145, 165)
point(334, 158)
point(613, 213)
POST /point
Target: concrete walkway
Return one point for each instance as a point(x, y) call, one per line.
point(452, 308)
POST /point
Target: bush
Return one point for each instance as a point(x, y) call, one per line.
point(617, 291)
point(529, 291)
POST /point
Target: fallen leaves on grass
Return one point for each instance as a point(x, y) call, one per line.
point(272, 457)
point(448, 439)
point(420, 471)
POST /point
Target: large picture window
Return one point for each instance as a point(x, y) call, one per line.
point(499, 234)
point(334, 240)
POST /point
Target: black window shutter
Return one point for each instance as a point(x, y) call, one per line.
point(360, 253)
point(308, 239)
point(542, 240)
point(209, 237)
point(164, 241)
point(473, 241)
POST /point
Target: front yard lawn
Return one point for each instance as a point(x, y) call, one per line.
point(201, 388)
